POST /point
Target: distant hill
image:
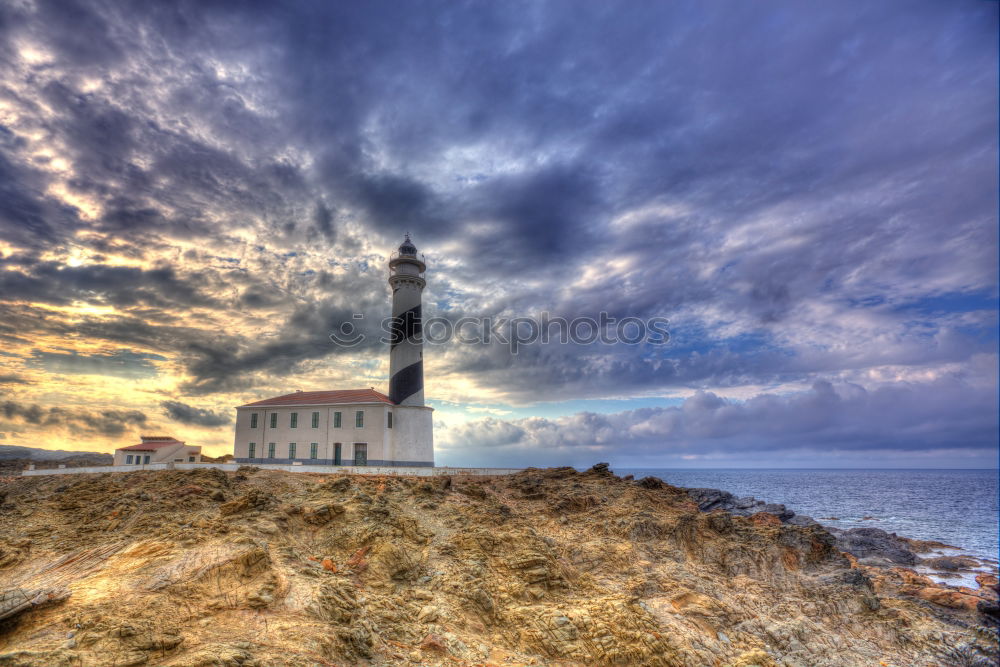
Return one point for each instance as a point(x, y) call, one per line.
point(38, 454)
point(14, 458)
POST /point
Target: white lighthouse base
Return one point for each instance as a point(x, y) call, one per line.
point(411, 438)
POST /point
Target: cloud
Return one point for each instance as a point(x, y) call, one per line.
point(212, 188)
point(186, 414)
point(10, 378)
point(120, 363)
point(948, 413)
point(108, 423)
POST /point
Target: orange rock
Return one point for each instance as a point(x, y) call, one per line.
point(433, 642)
point(911, 578)
point(947, 598)
point(765, 519)
point(329, 565)
point(357, 562)
point(987, 580)
point(790, 558)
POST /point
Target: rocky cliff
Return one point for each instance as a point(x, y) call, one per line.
point(546, 567)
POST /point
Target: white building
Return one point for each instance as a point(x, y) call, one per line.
point(354, 426)
point(157, 449)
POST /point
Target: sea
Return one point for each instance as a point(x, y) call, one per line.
point(957, 507)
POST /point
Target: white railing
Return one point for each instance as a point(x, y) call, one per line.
point(396, 255)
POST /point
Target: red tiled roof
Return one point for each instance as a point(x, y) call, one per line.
point(151, 446)
point(335, 397)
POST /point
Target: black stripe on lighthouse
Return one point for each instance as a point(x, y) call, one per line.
point(405, 326)
point(406, 382)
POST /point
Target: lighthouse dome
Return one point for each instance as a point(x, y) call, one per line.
point(408, 248)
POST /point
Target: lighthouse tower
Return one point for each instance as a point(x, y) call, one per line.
point(406, 355)
point(411, 439)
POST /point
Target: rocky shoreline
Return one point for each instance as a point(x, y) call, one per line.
point(552, 567)
point(932, 570)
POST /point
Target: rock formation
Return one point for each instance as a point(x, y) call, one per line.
point(546, 567)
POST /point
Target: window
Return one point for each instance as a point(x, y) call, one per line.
point(270, 450)
point(128, 459)
point(389, 420)
point(253, 420)
point(291, 450)
point(361, 453)
point(336, 453)
point(145, 459)
point(359, 419)
point(190, 459)
point(252, 450)
point(294, 421)
point(315, 423)
point(336, 420)
point(274, 420)
point(313, 450)
point(138, 459)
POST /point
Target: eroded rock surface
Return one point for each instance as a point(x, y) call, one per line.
point(547, 567)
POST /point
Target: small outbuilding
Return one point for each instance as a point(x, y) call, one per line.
point(157, 449)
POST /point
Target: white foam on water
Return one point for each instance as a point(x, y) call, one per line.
point(967, 579)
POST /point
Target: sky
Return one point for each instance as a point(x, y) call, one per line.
point(194, 195)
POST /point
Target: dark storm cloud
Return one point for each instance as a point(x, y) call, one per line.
point(29, 218)
point(323, 218)
point(55, 283)
point(187, 414)
point(227, 364)
point(80, 34)
point(110, 423)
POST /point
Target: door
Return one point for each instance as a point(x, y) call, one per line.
point(336, 454)
point(360, 454)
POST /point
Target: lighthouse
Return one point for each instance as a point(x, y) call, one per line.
point(354, 427)
point(406, 352)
